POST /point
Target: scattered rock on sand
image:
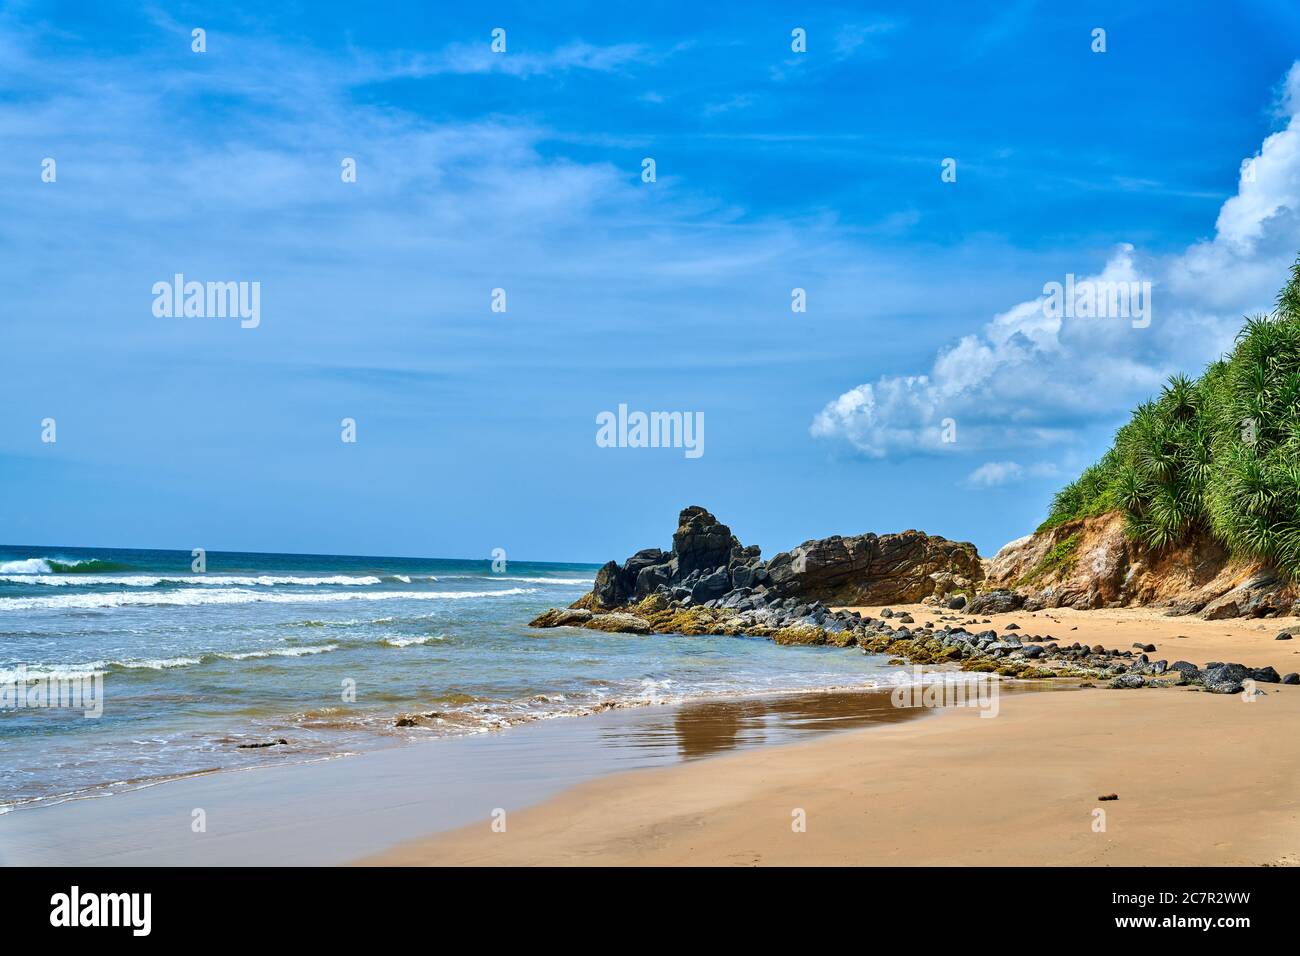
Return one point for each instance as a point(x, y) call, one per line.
point(1000, 601)
point(1128, 681)
point(1222, 678)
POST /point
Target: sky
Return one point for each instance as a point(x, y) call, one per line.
point(925, 386)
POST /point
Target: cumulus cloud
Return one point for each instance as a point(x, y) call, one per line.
point(1032, 375)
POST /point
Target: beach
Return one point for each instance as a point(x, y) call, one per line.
point(1201, 779)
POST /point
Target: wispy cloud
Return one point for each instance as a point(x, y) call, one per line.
point(994, 474)
point(478, 58)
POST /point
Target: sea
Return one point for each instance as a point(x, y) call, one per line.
point(262, 659)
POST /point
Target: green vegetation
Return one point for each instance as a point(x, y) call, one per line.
point(1059, 561)
point(1219, 455)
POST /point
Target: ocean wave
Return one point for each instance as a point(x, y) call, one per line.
point(211, 580)
point(510, 578)
point(572, 582)
point(11, 675)
point(76, 671)
point(276, 652)
point(411, 641)
point(187, 597)
point(60, 566)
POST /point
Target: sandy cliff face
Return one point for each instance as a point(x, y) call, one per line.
point(1092, 563)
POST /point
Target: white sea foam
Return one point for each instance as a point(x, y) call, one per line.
point(40, 565)
point(411, 641)
point(195, 596)
point(26, 566)
point(572, 582)
point(69, 671)
point(211, 580)
point(510, 578)
point(72, 671)
point(280, 652)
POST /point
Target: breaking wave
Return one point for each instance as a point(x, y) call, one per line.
point(209, 580)
point(188, 597)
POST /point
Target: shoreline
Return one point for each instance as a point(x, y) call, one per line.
point(418, 804)
point(385, 742)
point(331, 811)
point(1201, 779)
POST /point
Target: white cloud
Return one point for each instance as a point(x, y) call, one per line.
point(1028, 379)
point(993, 474)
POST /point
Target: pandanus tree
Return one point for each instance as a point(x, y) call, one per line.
point(1217, 455)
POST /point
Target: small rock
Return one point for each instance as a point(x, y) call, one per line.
point(1109, 796)
point(1128, 682)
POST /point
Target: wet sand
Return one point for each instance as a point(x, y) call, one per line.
point(334, 811)
point(1202, 779)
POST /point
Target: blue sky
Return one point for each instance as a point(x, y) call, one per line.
point(521, 171)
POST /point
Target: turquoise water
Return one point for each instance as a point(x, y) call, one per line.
point(265, 647)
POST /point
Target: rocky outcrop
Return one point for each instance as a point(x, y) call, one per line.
point(787, 621)
point(710, 584)
point(704, 564)
point(874, 569)
point(1093, 563)
point(707, 562)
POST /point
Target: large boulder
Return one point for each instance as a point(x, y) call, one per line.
point(999, 601)
point(702, 542)
point(702, 545)
point(1263, 594)
point(710, 586)
point(871, 569)
point(1225, 678)
point(610, 589)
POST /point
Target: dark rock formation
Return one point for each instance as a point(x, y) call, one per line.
point(871, 569)
point(703, 565)
point(707, 562)
point(710, 584)
point(1000, 601)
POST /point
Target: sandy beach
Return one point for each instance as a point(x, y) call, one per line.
point(1201, 779)
point(1246, 641)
